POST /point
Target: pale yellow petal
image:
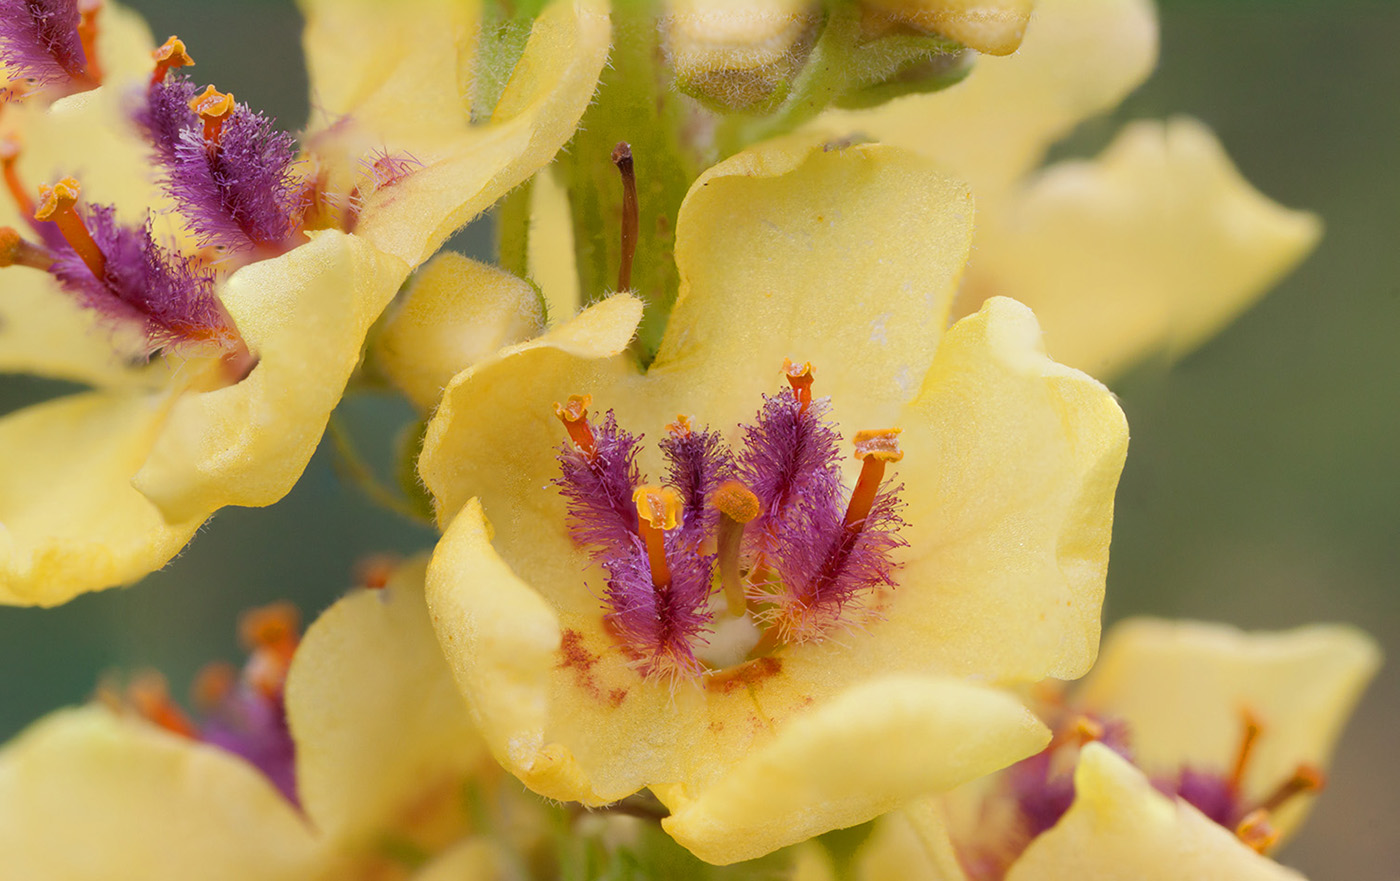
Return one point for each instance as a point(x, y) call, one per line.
point(377, 718)
point(124, 44)
point(811, 862)
point(399, 98)
point(454, 314)
point(87, 796)
point(1181, 686)
point(305, 315)
point(1079, 58)
point(552, 234)
point(1010, 466)
point(502, 410)
point(1150, 248)
point(849, 759)
point(845, 257)
point(70, 521)
point(991, 26)
point(1121, 829)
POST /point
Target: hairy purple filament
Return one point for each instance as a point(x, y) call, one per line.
point(242, 195)
point(697, 463)
point(805, 562)
point(39, 40)
point(166, 295)
point(598, 489)
point(253, 726)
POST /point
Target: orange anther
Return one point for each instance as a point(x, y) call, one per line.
point(1087, 730)
point(374, 571)
point(876, 448)
point(658, 511)
point(1253, 726)
point(681, 427)
point(1306, 778)
point(800, 378)
point(214, 683)
point(880, 443)
point(57, 203)
point(276, 626)
point(736, 501)
point(1257, 831)
point(574, 415)
point(214, 107)
point(169, 56)
point(15, 251)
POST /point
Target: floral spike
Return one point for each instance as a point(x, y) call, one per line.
point(40, 40)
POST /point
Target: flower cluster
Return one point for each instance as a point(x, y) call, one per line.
point(621, 658)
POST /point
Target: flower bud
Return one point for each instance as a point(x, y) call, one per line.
point(738, 54)
point(991, 26)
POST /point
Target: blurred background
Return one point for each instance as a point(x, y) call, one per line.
point(1262, 487)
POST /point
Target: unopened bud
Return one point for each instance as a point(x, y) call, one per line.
point(991, 26)
point(739, 54)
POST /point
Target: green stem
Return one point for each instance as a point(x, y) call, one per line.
point(352, 467)
point(636, 105)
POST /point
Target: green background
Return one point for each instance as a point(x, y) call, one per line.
point(1262, 487)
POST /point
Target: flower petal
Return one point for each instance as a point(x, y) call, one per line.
point(845, 257)
point(1153, 246)
point(87, 795)
point(405, 94)
point(375, 714)
point(70, 521)
point(825, 771)
point(305, 315)
point(1079, 58)
point(1182, 685)
point(1010, 468)
point(991, 26)
point(1119, 827)
point(455, 313)
point(472, 860)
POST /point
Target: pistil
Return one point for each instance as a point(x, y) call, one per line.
point(622, 158)
point(9, 157)
point(58, 205)
point(169, 56)
point(1252, 728)
point(87, 36)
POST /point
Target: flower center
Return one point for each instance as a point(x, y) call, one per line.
point(760, 534)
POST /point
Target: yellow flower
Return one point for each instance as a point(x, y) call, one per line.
point(103, 487)
point(1150, 248)
point(384, 747)
point(1239, 725)
point(847, 258)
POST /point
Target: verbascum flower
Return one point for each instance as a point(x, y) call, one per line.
point(362, 758)
point(574, 599)
point(256, 292)
point(1209, 744)
point(1148, 249)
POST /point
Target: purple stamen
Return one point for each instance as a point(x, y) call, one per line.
point(598, 488)
point(790, 462)
point(168, 296)
point(660, 625)
point(39, 40)
point(243, 195)
point(1211, 793)
point(164, 114)
point(698, 462)
point(253, 726)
